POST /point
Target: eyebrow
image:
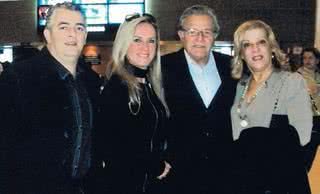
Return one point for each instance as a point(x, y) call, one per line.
point(257, 40)
point(199, 29)
point(152, 37)
point(67, 23)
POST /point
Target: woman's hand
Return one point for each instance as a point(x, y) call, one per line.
point(165, 171)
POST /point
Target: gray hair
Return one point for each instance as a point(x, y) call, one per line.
point(200, 10)
point(65, 5)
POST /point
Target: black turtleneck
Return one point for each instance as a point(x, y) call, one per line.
point(136, 71)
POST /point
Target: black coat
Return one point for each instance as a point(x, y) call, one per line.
point(270, 160)
point(129, 145)
point(200, 138)
point(36, 112)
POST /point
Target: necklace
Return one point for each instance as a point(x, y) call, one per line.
point(244, 121)
point(134, 107)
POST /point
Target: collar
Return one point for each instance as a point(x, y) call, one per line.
point(136, 71)
point(61, 70)
point(211, 64)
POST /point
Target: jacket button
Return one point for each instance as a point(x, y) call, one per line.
point(66, 135)
point(207, 134)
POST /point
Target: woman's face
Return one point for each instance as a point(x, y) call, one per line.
point(256, 51)
point(142, 49)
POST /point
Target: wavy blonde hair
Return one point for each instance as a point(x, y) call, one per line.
point(238, 62)
point(124, 38)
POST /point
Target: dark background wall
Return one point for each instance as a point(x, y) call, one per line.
point(18, 21)
point(292, 20)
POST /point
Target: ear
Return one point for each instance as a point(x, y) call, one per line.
point(46, 34)
point(181, 35)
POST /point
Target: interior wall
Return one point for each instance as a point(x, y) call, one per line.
point(292, 20)
point(18, 21)
point(317, 24)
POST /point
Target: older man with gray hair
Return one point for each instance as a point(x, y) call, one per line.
point(199, 92)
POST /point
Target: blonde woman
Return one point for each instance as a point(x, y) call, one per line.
point(271, 115)
point(133, 112)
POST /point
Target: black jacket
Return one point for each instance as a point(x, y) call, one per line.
point(129, 145)
point(36, 112)
point(200, 138)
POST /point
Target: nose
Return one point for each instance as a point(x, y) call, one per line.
point(72, 32)
point(200, 35)
point(144, 46)
point(255, 47)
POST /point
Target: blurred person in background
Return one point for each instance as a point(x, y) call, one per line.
point(311, 73)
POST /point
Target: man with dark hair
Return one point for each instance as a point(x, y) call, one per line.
point(47, 112)
point(199, 92)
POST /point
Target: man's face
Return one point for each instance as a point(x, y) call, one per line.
point(197, 37)
point(66, 35)
point(309, 60)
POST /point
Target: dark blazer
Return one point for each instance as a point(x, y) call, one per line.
point(200, 138)
point(36, 116)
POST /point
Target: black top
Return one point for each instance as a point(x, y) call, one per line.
point(130, 143)
point(270, 160)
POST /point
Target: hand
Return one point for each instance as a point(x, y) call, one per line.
point(313, 89)
point(165, 171)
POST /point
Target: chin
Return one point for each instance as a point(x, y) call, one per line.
point(72, 53)
point(142, 66)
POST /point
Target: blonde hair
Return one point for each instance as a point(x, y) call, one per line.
point(237, 62)
point(124, 38)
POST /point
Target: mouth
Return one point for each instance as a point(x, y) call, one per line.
point(71, 43)
point(257, 58)
point(143, 55)
point(199, 46)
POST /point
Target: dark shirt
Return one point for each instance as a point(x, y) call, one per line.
point(79, 153)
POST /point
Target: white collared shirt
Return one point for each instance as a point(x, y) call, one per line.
point(205, 77)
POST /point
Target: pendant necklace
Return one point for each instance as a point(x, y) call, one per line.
point(244, 121)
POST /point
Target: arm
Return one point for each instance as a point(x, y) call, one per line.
point(9, 121)
point(299, 107)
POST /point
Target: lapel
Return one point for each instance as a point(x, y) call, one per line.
point(190, 87)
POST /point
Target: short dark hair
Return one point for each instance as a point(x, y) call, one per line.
point(315, 52)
